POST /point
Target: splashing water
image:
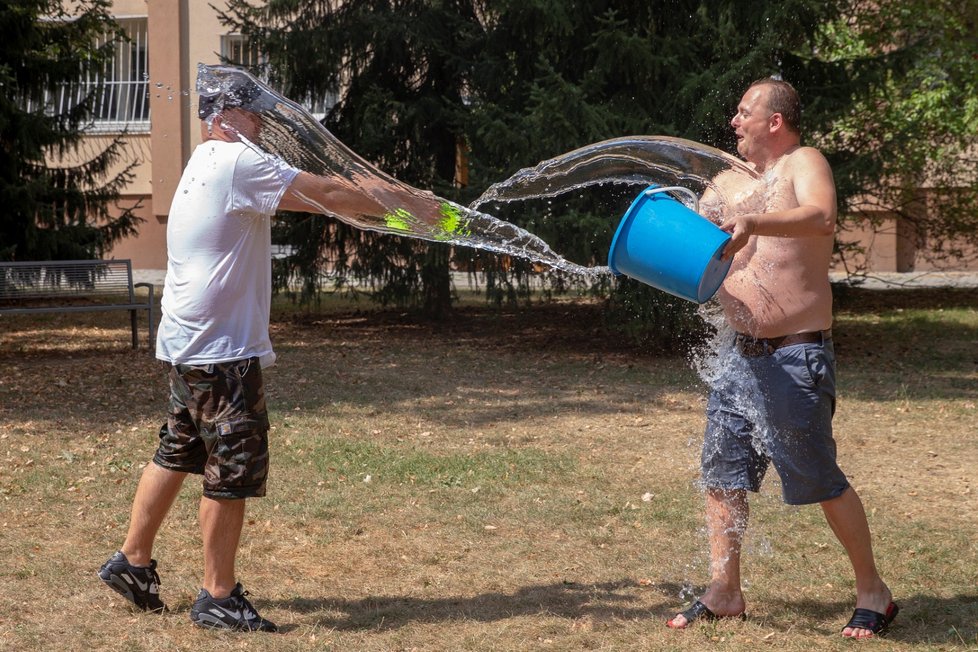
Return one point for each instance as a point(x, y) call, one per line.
point(378, 202)
point(644, 160)
point(368, 198)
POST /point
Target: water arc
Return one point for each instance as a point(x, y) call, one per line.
point(634, 160)
point(288, 131)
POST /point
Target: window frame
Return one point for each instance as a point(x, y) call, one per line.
point(232, 41)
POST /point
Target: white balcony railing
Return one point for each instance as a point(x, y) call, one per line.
point(121, 88)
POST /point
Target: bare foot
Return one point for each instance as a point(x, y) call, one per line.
point(712, 606)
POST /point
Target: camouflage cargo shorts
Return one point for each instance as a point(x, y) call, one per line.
point(217, 427)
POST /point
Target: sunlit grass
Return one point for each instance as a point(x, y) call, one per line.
point(502, 482)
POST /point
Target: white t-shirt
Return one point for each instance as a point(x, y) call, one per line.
point(218, 287)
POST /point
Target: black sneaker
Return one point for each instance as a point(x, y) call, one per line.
point(233, 612)
point(139, 585)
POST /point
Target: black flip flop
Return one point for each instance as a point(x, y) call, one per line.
point(874, 621)
point(699, 611)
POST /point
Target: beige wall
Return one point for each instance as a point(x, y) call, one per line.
point(878, 244)
point(130, 7)
point(182, 33)
point(890, 244)
point(148, 251)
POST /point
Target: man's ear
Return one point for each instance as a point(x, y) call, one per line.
point(775, 122)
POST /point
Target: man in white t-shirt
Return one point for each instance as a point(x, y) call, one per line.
point(213, 339)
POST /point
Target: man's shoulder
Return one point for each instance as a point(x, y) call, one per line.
point(806, 160)
point(259, 160)
point(806, 153)
point(221, 149)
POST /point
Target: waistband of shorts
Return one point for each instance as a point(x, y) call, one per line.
point(753, 347)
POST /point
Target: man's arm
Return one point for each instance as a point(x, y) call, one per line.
point(310, 193)
point(815, 214)
point(376, 204)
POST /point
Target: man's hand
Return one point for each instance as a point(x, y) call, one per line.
point(740, 228)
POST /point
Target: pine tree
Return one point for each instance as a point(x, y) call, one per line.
point(56, 195)
point(514, 82)
point(401, 68)
point(520, 81)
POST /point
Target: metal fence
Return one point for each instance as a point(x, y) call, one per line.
point(123, 87)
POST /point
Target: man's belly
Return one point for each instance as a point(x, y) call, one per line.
point(768, 299)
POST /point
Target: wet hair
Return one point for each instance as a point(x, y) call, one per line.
point(241, 94)
point(783, 99)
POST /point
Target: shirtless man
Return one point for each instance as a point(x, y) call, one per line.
point(775, 399)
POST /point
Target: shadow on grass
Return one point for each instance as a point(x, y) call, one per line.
point(862, 300)
point(908, 358)
point(923, 618)
point(615, 600)
point(453, 388)
point(549, 356)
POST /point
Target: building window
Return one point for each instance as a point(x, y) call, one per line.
point(236, 50)
point(121, 88)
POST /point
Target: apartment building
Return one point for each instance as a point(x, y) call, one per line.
point(152, 98)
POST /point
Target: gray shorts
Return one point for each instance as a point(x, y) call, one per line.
point(778, 408)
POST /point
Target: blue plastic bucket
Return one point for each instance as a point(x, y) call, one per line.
point(662, 243)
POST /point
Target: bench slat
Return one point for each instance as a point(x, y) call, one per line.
point(89, 308)
point(73, 286)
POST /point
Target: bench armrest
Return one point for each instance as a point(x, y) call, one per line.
point(150, 301)
point(145, 285)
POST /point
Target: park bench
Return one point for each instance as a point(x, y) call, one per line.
point(73, 286)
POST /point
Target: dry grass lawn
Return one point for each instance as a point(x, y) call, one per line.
point(499, 482)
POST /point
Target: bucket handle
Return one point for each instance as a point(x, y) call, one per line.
point(686, 191)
